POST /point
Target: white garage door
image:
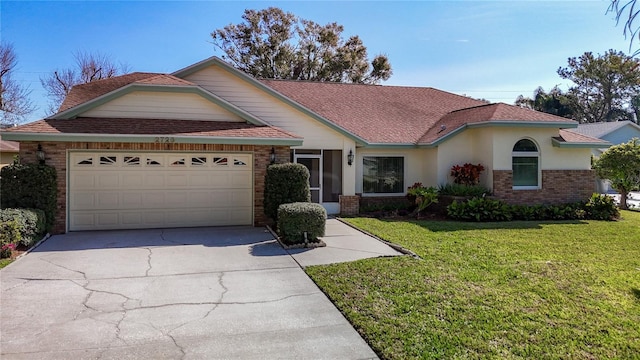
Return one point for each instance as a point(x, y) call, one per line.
point(133, 190)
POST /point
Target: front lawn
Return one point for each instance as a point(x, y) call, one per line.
point(556, 290)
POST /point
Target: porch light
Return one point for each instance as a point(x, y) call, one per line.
point(350, 157)
point(272, 156)
point(40, 154)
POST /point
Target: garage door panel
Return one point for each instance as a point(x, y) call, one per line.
point(131, 219)
point(132, 179)
point(155, 180)
point(128, 190)
point(177, 199)
point(84, 181)
point(177, 180)
point(108, 200)
point(131, 200)
point(83, 200)
point(108, 180)
point(199, 180)
point(241, 180)
point(153, 199)
point(107, 220)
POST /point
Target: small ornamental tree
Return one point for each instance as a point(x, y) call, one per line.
point(620, 164)
point(467, 174)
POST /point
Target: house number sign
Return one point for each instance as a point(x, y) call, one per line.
point(164, 139)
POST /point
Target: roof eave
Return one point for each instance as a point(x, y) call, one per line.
point(579, 145)
point(569, 124)
point(127, 138)
point(500, 123)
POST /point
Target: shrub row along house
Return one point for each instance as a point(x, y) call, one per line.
point(191, 148)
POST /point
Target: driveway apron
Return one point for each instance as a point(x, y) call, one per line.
point(201, 293)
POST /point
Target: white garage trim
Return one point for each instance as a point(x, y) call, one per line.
point(133, 189)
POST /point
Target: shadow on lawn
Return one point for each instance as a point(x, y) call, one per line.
point(636, 293)
point(437, 226)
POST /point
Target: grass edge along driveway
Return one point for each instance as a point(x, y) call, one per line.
point(543, 290)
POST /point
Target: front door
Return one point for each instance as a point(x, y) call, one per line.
point(314, 164)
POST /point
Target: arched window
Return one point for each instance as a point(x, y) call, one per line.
point(526, 165)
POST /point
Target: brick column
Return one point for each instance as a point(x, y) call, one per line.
point(349, 204)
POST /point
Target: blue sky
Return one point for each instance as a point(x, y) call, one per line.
point(485, 49)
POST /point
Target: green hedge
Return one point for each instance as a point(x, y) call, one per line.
point(30, 186)
point(30, 222)
point(295, 219)
point(283, 184)
point(598, 207)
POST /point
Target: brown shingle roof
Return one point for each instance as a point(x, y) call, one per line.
point(569, 136)
point(9, 146)
point(377, 114)
point(161, 127)
point(84, 92)
point(164, 79)
point(484, 113)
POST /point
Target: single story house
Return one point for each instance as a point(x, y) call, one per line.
point(615, 133)
point(191, 148)
point(8, 151)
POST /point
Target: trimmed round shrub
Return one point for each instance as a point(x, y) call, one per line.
point(284, 184)
point(31, 224)
point(296, 219)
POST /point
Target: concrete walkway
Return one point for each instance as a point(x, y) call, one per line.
point(202, 293)
point(344, 244)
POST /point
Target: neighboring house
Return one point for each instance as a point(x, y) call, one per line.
point(191, 148)
point(8, 151)
point(617, 132)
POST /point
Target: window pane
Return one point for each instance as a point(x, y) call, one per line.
point(383, 174)
point(525, 171)
point(332, 175)
point(525, 145)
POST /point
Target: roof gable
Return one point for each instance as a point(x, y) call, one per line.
point(82, 93)
point(148, 83)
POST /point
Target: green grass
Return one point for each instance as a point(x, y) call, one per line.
point(5, 262)
point(536, 290)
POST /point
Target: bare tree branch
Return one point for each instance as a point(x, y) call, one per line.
point(15, 104)
point(88, 67)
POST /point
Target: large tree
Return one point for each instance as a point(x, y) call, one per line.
point(620, 164)
point(15, 104)
point(628, 11)
point(554, 102)
point(88, 67)
point(604, 86)
point(274, 44)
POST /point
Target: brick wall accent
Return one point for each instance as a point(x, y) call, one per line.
point(349, 204)
point(558, 187)
point(368, 201)
point(56, 156)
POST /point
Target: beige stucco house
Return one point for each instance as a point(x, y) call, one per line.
point(191, 148)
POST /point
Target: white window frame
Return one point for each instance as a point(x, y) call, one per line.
point(535, 154)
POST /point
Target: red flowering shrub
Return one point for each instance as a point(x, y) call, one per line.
point(467, 174)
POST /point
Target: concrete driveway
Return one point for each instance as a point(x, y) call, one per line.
point(203, 293)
